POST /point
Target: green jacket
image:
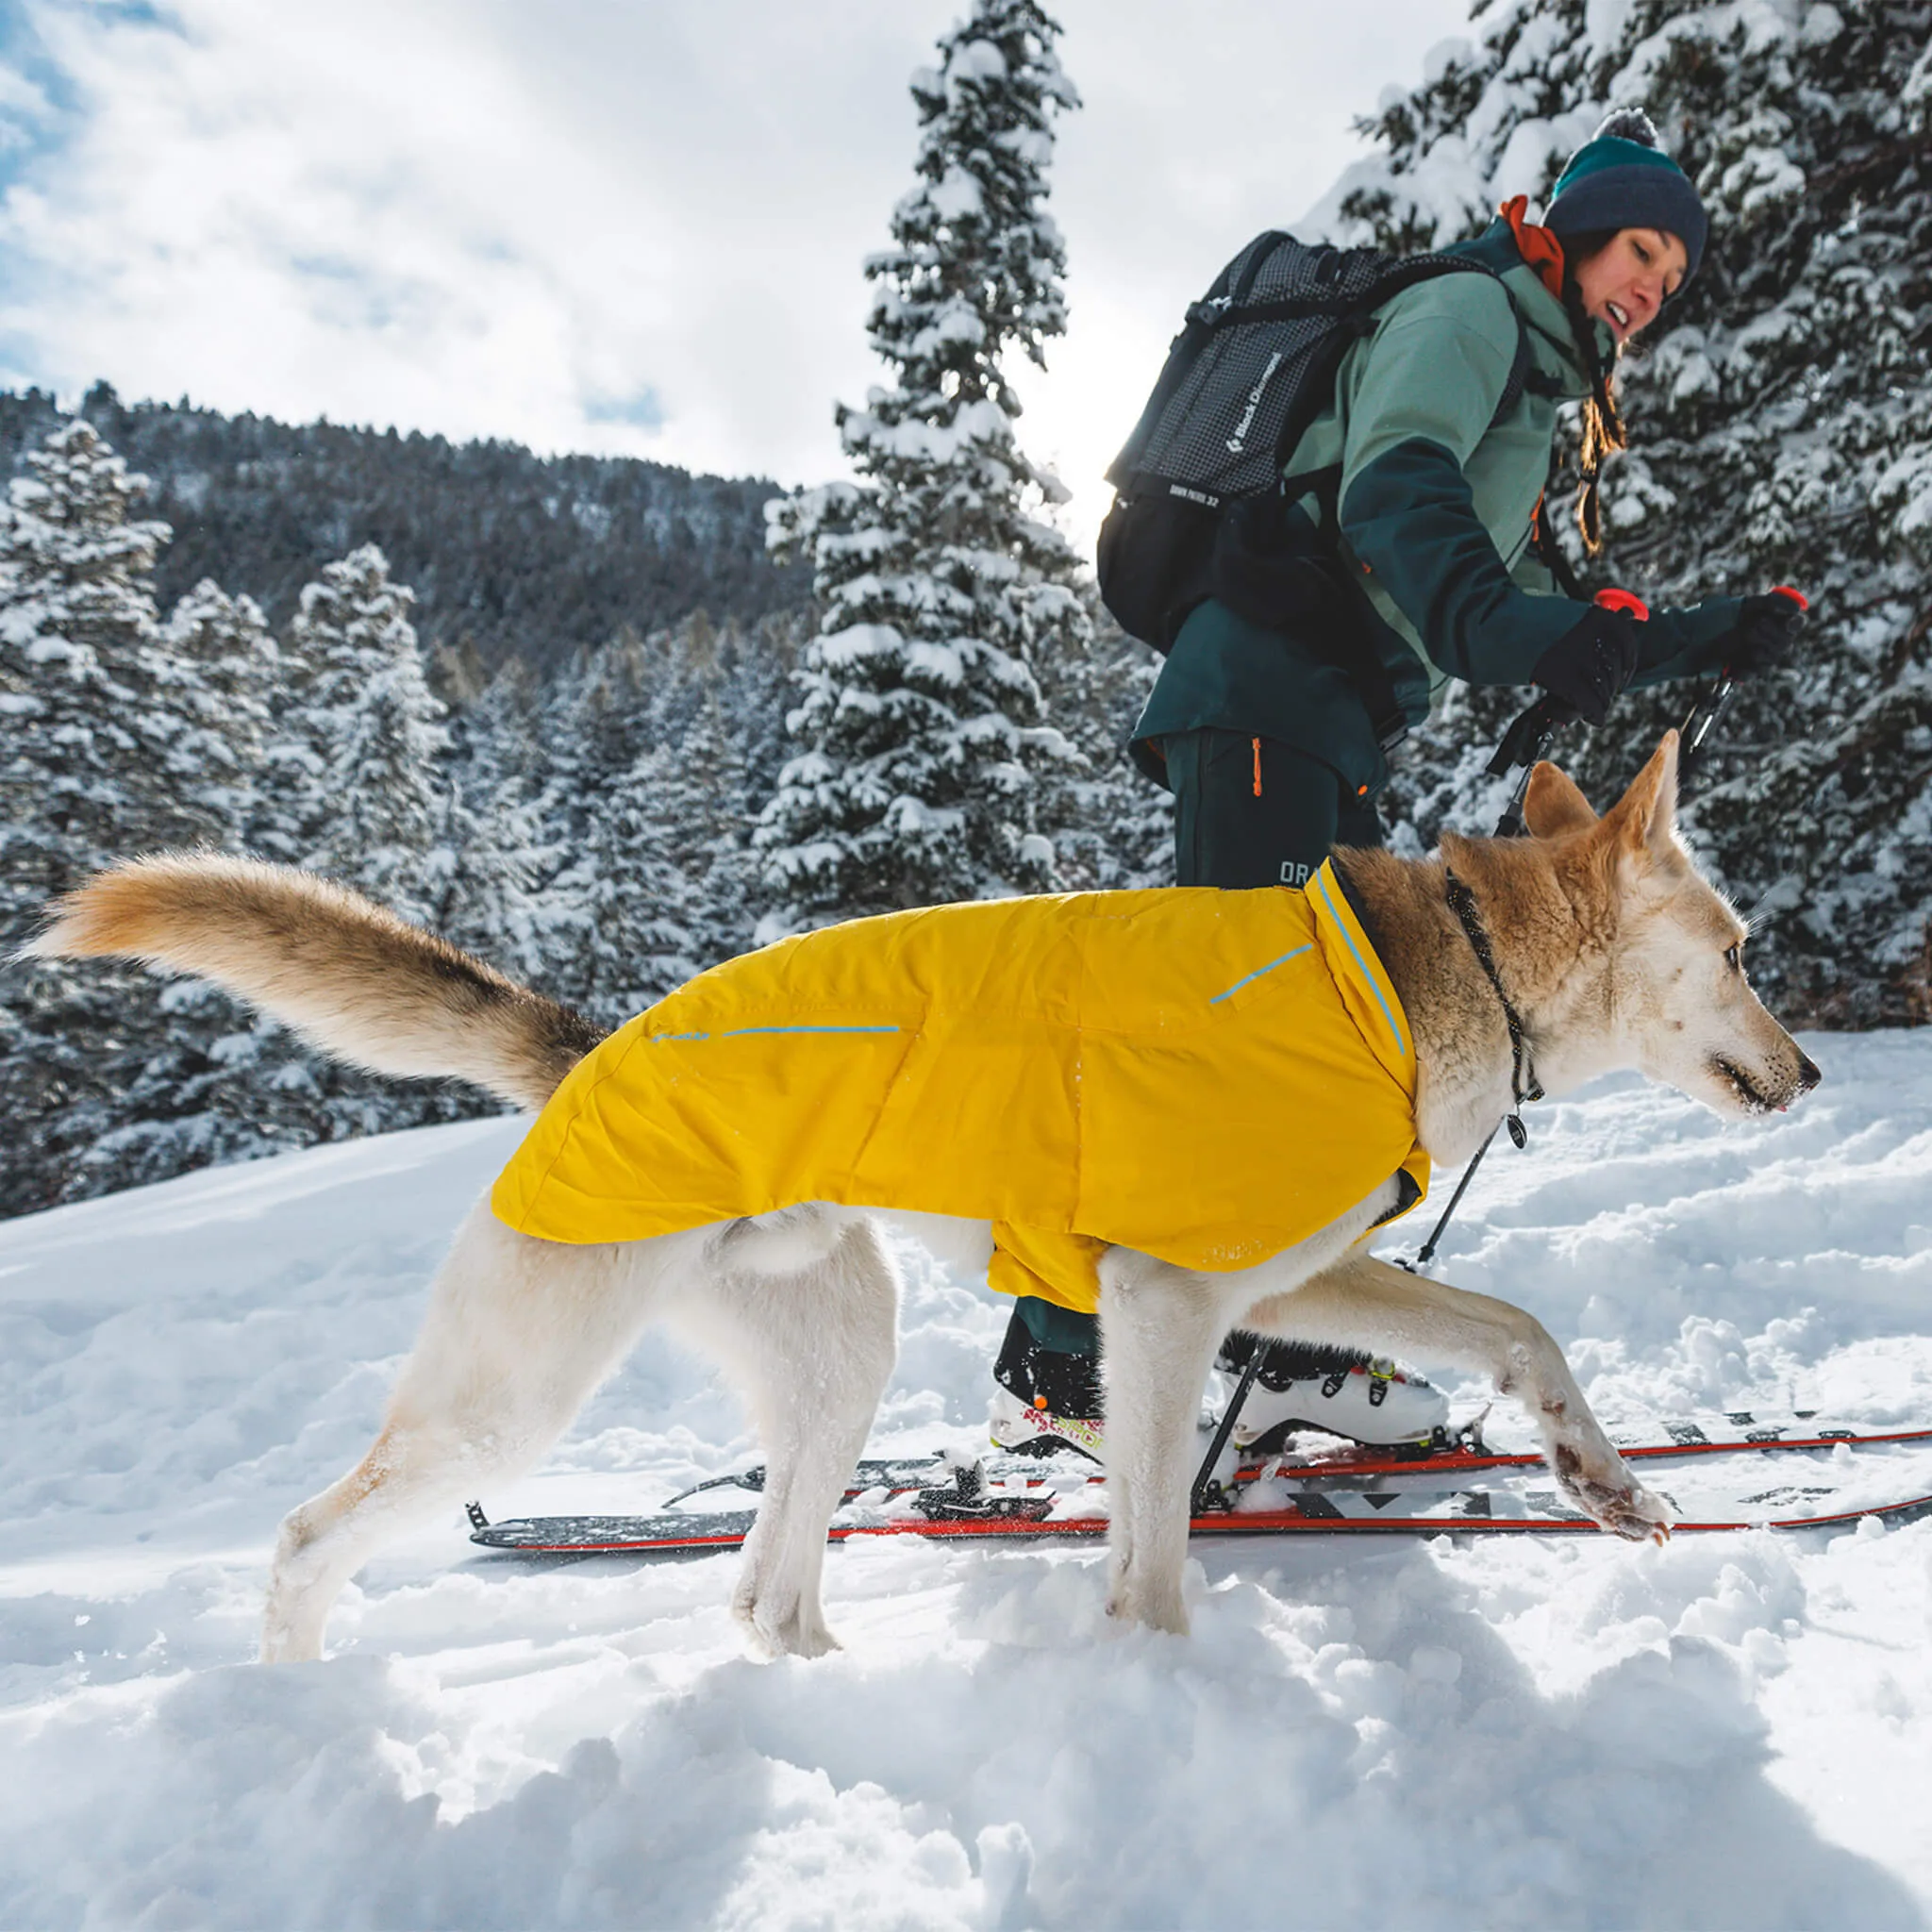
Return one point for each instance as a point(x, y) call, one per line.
point(1434, 505)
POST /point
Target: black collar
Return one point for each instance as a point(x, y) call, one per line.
point(1523, 1077)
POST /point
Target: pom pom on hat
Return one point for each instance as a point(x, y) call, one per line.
point(1629, 123)
point(1622, 178)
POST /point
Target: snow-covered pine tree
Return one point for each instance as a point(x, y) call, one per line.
point(634, 943)
point(1113, 827)
point(1780, 423)
point(707, 812)
point(364, 741)
point(938, 578)
point(599, 721)
point(491, 851)
point(100, 731)
point(353, 788)
point(217, 653)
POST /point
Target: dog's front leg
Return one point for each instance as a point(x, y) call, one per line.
point(1360, 1302)
point(1158, 1328)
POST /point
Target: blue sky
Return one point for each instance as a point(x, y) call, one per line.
point(605, 225)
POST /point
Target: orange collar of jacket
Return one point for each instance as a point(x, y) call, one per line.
point(1538, 246)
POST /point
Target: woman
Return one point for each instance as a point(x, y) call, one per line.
point(1404, 553)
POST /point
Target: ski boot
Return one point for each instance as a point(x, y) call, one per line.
point(1372, 1402)
point(1046, 1399)
point(1031, 1428)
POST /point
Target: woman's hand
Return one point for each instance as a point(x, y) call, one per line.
point(1765, 634)
point(1591, 663)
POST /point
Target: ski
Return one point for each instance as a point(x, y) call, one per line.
point(1463, 1452)
point(1350, 1489)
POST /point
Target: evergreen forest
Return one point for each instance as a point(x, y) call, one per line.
point(605, 723)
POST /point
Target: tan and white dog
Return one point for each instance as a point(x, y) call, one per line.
point(1612, 948)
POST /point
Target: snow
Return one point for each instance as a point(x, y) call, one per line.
point(1732, 1730)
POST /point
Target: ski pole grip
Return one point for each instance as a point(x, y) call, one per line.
point(1528, 737)
point(1628, 602)
point(1797, 598)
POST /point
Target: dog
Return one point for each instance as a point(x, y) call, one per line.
point(1605, 947)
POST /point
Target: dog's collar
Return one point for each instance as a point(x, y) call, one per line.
point(1522, 1078)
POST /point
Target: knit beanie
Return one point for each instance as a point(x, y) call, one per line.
point(1622, 178)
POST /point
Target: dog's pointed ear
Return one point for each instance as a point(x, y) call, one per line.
point(1644, 819)
point(1553, 806)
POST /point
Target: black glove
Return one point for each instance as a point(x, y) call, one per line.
point(1765, 634)
point(1591, 662)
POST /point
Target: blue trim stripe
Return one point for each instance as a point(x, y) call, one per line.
point(658, 1039)
point(1258, 972)
point(736, 1031)
point(1368, 971)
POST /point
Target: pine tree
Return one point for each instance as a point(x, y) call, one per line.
point(492, 852)
point(938, 578)
point(634, 943)
point(101, 724)
point(599, 724)
point(219, 656)
point(707, 812)
point(1778, 424)
point(1113, 828)
point(364, 742)
point(353, 787)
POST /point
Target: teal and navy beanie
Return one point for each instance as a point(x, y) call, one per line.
point(1622, 178)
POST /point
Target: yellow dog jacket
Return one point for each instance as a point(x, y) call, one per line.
point(1208, 1076)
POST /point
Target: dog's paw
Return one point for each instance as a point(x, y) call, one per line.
point(794, 1632)
point(1616, 1502)
point(1169, 1613)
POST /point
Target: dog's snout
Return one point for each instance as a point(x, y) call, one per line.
point(1808, 1075)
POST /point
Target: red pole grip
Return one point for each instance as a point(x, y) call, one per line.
point(1797, 598)
point(1623, 600)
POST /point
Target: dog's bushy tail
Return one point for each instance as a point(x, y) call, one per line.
point(351, 977)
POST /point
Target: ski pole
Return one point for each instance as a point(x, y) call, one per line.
point(1706, 707)
point(1526, 741)
point(1710, 704)
point(1427, 1252)
point(1202, 1492)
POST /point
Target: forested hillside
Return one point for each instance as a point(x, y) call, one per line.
point(572, 713)
point(582, 815)
point(508, 554)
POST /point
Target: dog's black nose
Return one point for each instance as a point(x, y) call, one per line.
point(1809, 1075)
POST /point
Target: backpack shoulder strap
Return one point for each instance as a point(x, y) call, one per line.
point(1519, 371)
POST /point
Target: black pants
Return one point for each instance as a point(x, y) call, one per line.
point(1248, 811)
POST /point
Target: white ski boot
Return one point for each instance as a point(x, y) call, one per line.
point(1380, 1405)
point(1033, 1429)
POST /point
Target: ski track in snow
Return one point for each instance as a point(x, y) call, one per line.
point(1734, 1730)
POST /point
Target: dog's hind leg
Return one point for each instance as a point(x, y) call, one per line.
point(803, 1312)
point(1360, 1302)
point(518, 1334)
point(1159, 1327)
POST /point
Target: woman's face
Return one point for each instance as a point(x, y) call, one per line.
point(1626, 281)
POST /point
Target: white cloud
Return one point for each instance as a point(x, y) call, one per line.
point(620, 229)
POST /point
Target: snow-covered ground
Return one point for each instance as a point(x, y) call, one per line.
point(1731, 1731)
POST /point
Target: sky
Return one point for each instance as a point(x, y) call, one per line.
point(625, 228)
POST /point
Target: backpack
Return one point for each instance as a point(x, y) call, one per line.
point(1253, 366)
